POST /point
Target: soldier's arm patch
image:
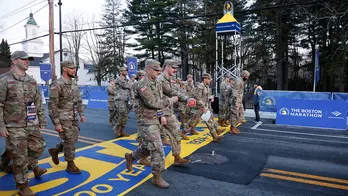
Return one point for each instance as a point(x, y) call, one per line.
point(143, 89)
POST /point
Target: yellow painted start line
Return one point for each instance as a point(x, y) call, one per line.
point(102, 165)
point(306, 178)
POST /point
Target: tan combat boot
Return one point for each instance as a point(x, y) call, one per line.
point(144, 161)
point(54, 155)
point(234, 130)
point(193, 131)
point(117, 131)
point(220, 121)
point(72, 168)
point(227, 122)
point(157, 180)
point(180, 161)
point(219, 131)
point(129, 161)
point(24, 190)
point(39, 171)
point(216, 137)
point(123, 133)
point(184, 136)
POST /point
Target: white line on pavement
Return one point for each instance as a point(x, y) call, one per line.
point(256, 125)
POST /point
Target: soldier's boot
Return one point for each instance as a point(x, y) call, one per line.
point(216, 137)
point(38, 171)
point(234, 130)
point(157, 180)
point(184, 136)
point(123, 133)
point(227, 122)
point(72, 168)
point(165, 141)
point(180, 161)
point(54, 155)
point(24, 190)
point(144, 161)
point(220, 121)
point(224, 124)
point(129, 161)
point(219, 131)
point(193, 131)
point(117, 130)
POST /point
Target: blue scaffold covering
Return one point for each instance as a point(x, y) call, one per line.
point(98, 100)
point(340, 96)
point(312, 113)
point(270, 98)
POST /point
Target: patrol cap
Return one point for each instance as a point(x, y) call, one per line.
point(140, 73)
point(68, 64)
point(227, 76)
point(206, 75)
point(171, 63)
point(21, 55)
point(153, 64)
point(189, 76)
point(123, 68)
point(245, 74)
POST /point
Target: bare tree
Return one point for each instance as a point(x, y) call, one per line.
point(98, 55)
point(73, 40)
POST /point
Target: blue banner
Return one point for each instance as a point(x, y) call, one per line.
point(312, 113)
point(98, 100)
point(317, 67)
point(132, 65)
point(45, 71)
point(270, 98)
point(84, 92)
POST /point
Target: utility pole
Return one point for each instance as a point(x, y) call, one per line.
point(51, 39)
point(60, 33)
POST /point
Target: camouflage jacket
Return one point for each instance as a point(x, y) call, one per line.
point(201, 93)
point(223, 88)
point(20, 101)
point(170, 90)
point(65, 101)
point(151, 101)
point(123, 89)
point(190, 87)
point(111, 97)
point(136, 96)
point(231, 96)
point(181, 106)
point(239, 90)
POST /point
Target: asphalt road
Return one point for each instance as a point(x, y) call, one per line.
point(264, 159)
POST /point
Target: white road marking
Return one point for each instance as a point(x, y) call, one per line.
point(256, 125)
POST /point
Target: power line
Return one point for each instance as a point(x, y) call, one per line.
point(20, 9)
point(186, 18)
point(23, 19)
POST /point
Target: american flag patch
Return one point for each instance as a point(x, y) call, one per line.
point(142, 89)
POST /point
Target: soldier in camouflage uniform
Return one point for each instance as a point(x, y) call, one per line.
point(181, 109)
point(224, 86)
point(63, 108)
point(150, 120)
point(111, 101)
point(202, 94)
point(172, 128)
point(22, 117)
point(189, 85)
point(237, 112)
point(123, 95)
point(140, 75)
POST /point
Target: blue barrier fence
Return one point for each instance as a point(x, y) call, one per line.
point(269, 98)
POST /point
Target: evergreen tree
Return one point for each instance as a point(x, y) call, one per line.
point(5, 54)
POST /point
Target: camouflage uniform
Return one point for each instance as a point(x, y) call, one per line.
point(181, 108)
point(172, 128)
point(123, 95)
point(202, 94)
point(63, 108)
point(224, 86)
point(111, 103)
point(189, 86)
point(22, 113)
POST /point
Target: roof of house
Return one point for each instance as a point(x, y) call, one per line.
point(38, 60)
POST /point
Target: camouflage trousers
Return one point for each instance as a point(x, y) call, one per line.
point(223, 111)
point(172, 131)
point(112, 115)
point(151, 145)
point(195, 117)
point(237, 114)
point(25, 146)
point(183, 114)
point(121, 112)
point(69, 136)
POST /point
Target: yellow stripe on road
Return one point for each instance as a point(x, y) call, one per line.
point(301, 180)
point(307, 176)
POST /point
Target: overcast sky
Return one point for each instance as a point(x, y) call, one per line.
point(88, 9)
